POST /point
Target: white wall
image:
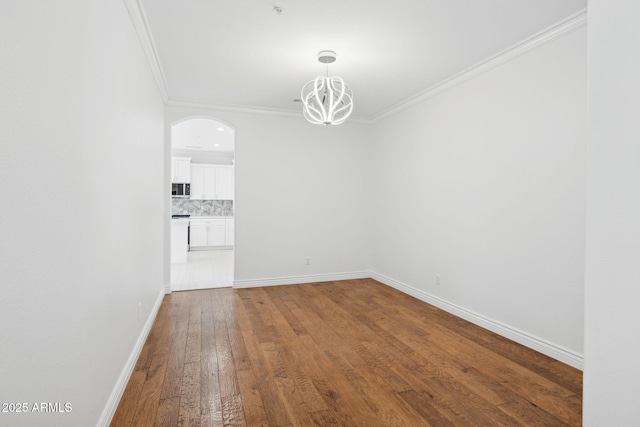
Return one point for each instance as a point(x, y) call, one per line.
point(81, 166)
point(612, 293)
point(484, 185)
point(210, 157)
point(301, 191)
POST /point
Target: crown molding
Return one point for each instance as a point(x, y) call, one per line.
point(549, 34)
point(141, 25)
point(230, 108)
point(200, 105)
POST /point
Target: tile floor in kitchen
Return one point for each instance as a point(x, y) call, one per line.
point(203, 270)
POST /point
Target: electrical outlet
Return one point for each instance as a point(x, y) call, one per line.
point(308, 261)
point(438, 279)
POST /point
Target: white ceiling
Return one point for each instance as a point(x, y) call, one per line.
point(241, 53)
point(201, 134)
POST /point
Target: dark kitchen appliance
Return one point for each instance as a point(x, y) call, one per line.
point(180, 189)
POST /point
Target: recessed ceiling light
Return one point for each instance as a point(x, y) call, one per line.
point(216, 145)
point(220, 129)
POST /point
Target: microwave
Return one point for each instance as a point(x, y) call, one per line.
point(180, 189)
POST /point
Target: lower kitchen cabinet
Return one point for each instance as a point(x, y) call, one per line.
point(216, 231)
point(179, 240)
point(230, 232)
point(211, 232)
point(197, 234)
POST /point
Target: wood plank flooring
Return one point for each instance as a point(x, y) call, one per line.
point(344, 353)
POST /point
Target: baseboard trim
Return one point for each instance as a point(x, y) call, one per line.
point(209, 248)
point(550, 349)
point(545, 347)
point(112, 404)
point(292, 280)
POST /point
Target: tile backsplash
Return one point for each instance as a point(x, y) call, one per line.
point(201, 207)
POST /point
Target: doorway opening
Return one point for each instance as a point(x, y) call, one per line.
point(202, 204)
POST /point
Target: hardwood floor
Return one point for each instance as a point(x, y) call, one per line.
point(344, 353)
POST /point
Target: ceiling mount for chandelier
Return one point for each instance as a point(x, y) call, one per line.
point(327, 100)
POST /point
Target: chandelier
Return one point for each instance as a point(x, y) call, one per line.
point(327, 100)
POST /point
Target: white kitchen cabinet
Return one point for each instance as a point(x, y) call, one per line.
point(229, 232)
point(199, 182)
point(211, 182)
point(211, 232)
point(179, 245)
point(224, 183)
point(197, 233)
point(216, 232)
point(181, 169)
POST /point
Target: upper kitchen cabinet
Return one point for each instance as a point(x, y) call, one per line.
point(224, 183)
point(203, 182)
point(181, 169)
point(211, 182)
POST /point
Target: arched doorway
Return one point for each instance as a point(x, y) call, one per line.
point(202, 204)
